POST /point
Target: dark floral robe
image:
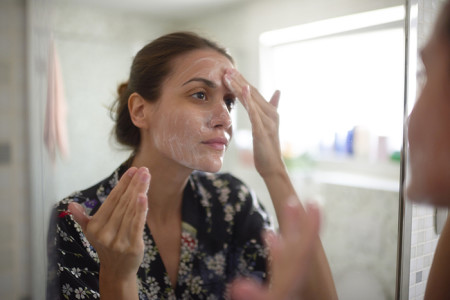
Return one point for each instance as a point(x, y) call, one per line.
point(220, 240)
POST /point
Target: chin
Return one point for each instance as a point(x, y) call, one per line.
point(210, 166)
point(434, 194)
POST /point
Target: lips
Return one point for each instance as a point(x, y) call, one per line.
point(219, 143)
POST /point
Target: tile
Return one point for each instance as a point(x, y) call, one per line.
point(428, 247)
point(420, 288)
point(421, 223)
point(420, 236)
point(413, 265)
point(427, 260)
point(420, 248)
point(414, 239)
point(418, 277)
point(414, 226)
point(412, 292)
point(5, 153)
point(419, 263)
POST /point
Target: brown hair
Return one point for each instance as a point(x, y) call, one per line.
point(150, 67)
point(442, 27)
point(447, 19)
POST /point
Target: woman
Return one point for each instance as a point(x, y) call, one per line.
point(429, 146)
point(187, 234)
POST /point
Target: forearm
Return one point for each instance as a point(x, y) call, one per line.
point(117, 289)
point(438, 286)
point(319, 284)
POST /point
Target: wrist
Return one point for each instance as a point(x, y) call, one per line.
point(114, 285)
point(276, 174)
point(278, 170)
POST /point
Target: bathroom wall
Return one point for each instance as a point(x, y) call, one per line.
point(423, 235)
point(14, 185)
point(95, 47)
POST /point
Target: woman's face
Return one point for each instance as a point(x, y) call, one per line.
point(429, 129)
point(190, 124)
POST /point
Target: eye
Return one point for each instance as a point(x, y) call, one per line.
point(199, 95)
point(230, 102)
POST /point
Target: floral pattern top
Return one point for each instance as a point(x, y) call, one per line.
point(220, 240)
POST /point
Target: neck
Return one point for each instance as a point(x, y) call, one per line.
point(167, 184)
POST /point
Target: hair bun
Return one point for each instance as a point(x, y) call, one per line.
point(121, 89)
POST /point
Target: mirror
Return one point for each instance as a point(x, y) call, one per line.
point(351, 167)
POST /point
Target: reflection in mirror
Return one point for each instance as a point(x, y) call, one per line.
point(341, 134)
point(341, 111)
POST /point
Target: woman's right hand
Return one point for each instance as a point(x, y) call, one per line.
point(290, 252)
point(116, 229)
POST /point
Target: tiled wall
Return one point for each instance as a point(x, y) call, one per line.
point(423, 244)
point(423, 235)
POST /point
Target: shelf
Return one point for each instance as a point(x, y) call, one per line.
point(383, 176)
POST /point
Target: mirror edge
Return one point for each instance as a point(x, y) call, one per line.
point(405, 207)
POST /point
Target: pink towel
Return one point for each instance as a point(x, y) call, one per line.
point(55, 128)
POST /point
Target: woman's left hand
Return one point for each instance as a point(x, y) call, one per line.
point(264, 119)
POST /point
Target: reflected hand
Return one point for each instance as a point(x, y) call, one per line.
point(264, 119)
point(290, 252)
point(116, 229)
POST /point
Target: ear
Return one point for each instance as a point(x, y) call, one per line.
point(137, 106)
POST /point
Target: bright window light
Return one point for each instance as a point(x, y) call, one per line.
point(338, 84)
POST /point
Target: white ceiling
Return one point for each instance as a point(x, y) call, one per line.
point(164, 8)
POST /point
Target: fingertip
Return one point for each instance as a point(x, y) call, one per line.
point(277, 93)
point(314, 214)
point(269, 238)
point(78, 214)
point(131, 171)
point(227, 80)
point(246, 90)
point(144, 175)
point(75, 208)
point(275, 100)
point(312, 206)
point(244, 288)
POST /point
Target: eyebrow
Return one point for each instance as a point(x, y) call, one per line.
point(209, 83)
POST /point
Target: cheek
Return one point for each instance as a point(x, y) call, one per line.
point(176, 132)
point(429, 148)
point(179, 137)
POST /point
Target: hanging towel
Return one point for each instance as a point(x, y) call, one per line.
point(55, 127)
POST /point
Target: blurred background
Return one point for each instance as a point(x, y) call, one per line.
point(338, 63)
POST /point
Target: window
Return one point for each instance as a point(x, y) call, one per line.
point(342, 85)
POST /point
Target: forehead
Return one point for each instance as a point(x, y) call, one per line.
point(205, 62)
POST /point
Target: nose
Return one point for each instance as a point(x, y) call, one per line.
point(221, 116)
